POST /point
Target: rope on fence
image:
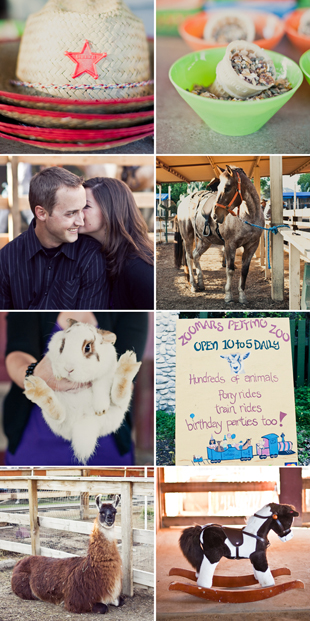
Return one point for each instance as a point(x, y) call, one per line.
point(271, 229)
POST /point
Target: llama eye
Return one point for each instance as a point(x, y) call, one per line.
point(87, 348)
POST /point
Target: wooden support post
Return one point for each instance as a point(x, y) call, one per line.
point(276, 198)
point(84, 505)
point(127, 540)
point(13, 194)
point(291, 490)
point(294, 278)
point(160, 497)
point(267, 269)
point(33, 515)
point(256, 178)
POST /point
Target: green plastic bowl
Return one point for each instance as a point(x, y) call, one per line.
point(231, 118)
point(304, 63)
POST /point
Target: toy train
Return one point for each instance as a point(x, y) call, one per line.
point(231, 452)
point(268, 447)
point(271, 447)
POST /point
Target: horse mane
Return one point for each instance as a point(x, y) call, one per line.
point(251, 522)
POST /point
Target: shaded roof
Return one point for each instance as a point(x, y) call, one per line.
point(179, 168)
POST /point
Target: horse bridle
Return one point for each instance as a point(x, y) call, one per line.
point(274, 516)
point(238, 192)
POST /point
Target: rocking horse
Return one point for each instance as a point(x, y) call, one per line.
point(204, 546)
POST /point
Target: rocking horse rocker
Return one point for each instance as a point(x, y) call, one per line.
point(204, 546)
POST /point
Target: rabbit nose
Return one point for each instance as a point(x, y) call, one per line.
point(67, 371)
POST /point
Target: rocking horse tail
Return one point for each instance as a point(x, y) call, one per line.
point(190, 546)
point(178, 245)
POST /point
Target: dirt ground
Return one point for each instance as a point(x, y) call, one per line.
point(173, 290)
point(140, 607)
point(292, 606)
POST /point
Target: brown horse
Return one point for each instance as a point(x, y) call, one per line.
point(208, 217)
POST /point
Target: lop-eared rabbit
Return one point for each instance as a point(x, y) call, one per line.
point(84, 584)
point(85, 354)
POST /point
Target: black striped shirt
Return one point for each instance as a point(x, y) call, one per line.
point(74, 278)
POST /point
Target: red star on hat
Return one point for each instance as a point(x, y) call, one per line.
point(85, 61)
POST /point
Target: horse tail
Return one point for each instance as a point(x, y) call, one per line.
point(190, 546)
point(178, 245)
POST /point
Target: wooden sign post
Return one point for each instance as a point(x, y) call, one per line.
point(235, 392)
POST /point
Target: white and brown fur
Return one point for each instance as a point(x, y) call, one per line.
point(84, 584)
point(84, 354)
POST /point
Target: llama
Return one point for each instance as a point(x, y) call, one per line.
point(84, 584)
point(204, 546)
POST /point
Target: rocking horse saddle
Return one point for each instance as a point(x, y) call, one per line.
point(235, 537)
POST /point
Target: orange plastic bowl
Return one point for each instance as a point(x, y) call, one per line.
point(291, 25)
point(192, 31)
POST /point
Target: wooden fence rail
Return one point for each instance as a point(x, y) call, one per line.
point(127, 487)
point(213, 486)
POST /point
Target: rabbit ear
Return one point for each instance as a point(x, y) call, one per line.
point(107, 337)
point(70, 322)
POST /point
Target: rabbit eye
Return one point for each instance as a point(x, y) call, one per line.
point(87, 348)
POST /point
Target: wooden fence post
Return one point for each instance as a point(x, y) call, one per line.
point(84, 505)
point(33, 515)
point(127, 539)
point(276, 199)
point(301, 351)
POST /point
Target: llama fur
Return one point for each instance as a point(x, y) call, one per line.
point(84, 584)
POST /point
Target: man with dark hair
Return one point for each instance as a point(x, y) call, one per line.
point(50, 267)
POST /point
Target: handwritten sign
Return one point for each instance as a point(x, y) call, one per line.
point(235, 392)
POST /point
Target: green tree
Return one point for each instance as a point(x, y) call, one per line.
point(304, 182)
point(265, 187)
point(176, 190)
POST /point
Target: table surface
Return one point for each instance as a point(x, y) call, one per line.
point(180, 130)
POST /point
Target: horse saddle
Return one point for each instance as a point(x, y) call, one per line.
point(196, 200)
point(235, 536)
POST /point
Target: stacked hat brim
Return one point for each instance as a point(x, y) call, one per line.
point(61, 117)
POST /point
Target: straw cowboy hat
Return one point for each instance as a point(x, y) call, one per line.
point(79, 50)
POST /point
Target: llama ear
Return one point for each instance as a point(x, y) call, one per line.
point(229, 170)
point(70, 322)
point(107, 337)
point(116, 500)
point(98, 501)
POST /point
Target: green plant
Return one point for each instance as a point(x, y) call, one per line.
point(302, 407)
point(165, 425)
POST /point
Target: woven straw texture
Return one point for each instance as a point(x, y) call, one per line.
point(73, 135)
point(72, 120)
point(17, 95)
point(64, 26)
point(77, 148)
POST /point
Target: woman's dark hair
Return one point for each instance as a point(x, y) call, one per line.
point(126, 230)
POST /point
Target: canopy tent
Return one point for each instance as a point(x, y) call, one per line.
point(179, 168)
